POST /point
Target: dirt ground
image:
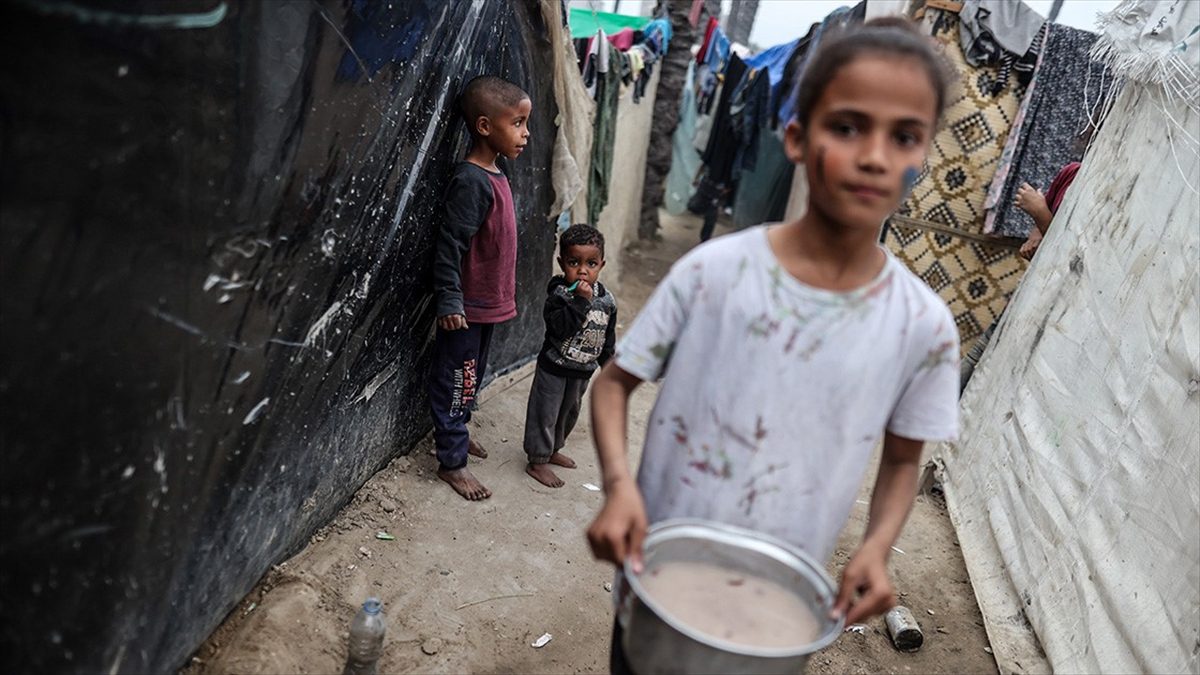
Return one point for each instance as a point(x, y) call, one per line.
point(467, 587)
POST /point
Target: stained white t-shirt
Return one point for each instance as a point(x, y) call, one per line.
point(775, 393)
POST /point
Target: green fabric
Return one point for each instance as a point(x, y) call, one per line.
point(608, 92)
point(585, 22)
point(762, 194)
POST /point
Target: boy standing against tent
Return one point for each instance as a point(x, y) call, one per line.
point(474, 271)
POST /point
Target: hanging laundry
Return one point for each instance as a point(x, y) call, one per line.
point(1069, 90)
point(701, 56)
point(657, 35)
point(838, 18)
point(608, 89)
point(622, 39)
point(763, 190)
point(597, 61)
point(749, 115)
point(685, 160)
point(988, 26)
point(718, 51)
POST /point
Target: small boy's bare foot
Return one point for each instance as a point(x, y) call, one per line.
point(542, 474)
point(562, 460)
point(465, 484)
point(476, 450)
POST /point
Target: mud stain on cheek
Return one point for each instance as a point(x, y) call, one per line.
point(820, 167)
point(908, 180)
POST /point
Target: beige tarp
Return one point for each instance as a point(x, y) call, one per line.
point(573, 139)
point(1075, 485)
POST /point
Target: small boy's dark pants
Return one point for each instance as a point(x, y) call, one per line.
point(459, 363)
point(554, 404)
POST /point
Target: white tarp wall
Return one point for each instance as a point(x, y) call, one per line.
point(1075, 485)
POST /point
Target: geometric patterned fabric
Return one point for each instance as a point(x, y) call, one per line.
point(975, 278)
point(966, 149)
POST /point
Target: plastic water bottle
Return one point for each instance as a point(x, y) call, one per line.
point(366, 639)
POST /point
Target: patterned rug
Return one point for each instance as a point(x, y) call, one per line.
point(966, 150)
point(975, 277)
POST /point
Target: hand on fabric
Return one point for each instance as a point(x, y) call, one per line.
point(866, 576)
point(452, 322)
point(1030, 200)
point(1031, 245)
point(584, 290)
point(620, 527)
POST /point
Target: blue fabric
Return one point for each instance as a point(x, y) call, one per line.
point(718, 51)
point(381, 35)
point(657, 34)
point(774, 60)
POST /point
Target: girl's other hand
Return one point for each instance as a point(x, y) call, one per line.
point(620, 527)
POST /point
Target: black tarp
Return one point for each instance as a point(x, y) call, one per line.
point(216, 226)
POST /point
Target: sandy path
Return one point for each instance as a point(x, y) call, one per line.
point(468, 586)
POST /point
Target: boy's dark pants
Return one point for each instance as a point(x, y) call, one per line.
point(554, 404)
point(459, 363)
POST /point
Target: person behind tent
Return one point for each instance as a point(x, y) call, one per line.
point(474, 270)
point(581, 331)
point(1042, 208)
point(789, 352)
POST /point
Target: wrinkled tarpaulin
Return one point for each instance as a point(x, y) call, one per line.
point(1075, 485)
point(215, 235)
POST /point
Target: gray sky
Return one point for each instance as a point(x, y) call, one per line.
point(779, 21)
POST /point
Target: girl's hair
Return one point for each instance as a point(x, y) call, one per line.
point(886, 36)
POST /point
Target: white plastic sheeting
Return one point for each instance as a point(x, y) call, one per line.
point(1075, 486)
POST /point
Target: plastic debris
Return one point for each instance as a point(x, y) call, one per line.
point(542, 641)
point(856, 628)
point(898, 550)
point(384, 536)
point(590, 486)
point(608, 586)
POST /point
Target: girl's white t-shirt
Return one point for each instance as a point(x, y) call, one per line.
point(775, 393)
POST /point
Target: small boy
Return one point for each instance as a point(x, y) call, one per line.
point(581, 321)
point(474, 270)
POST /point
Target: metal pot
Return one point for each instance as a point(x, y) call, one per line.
point(656, 643)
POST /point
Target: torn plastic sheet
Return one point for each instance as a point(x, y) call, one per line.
point(215, 243)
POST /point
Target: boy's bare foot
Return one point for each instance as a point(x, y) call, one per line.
point(542, 474)
point(465, 484)
point(562, 460)
point(476, 449)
